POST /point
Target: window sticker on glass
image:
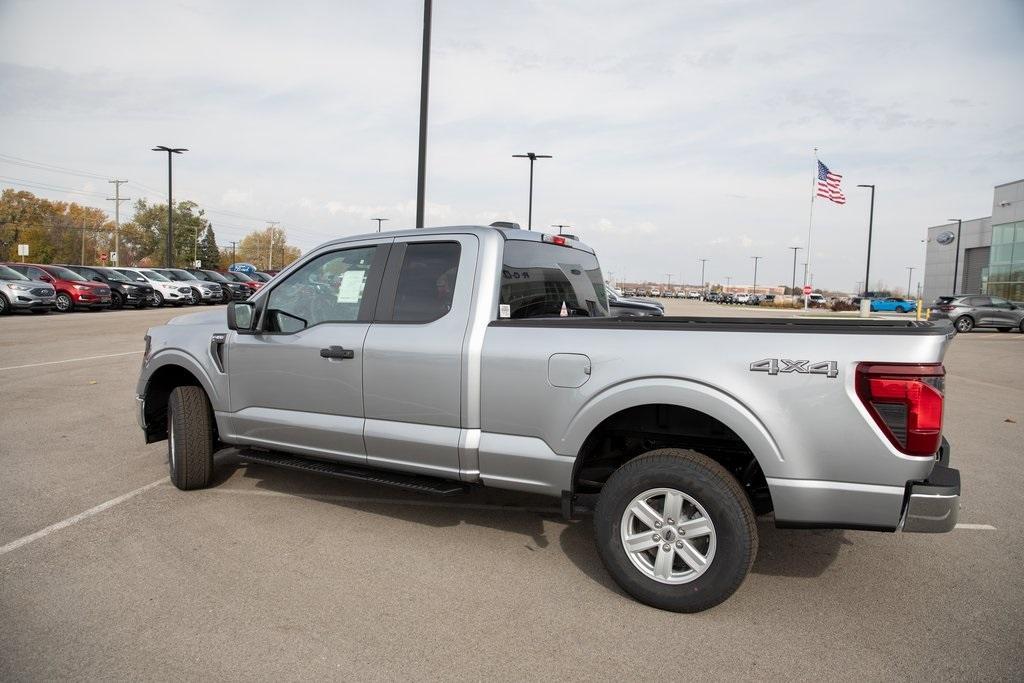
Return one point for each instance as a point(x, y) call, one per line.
point(504, 311)
point(350, 291)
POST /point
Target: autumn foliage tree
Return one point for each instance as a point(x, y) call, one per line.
point(255, 248)
point(55, 232)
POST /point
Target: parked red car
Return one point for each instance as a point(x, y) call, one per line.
point(73, 290)
point(249, 282)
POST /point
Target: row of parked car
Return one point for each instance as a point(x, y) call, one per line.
point(40, 288)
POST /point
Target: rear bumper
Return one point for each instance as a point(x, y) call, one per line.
point(933, 505)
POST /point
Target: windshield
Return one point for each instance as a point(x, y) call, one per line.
point(213, 276)
point(261, 277)
point(10, 274)
point(240, 277)
point(65, 274)
point(115, 276)
point(153, 275)
point(539, 279)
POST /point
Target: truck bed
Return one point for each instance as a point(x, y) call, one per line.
point(733, 324)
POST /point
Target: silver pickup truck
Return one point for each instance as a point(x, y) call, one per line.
point(442, 359)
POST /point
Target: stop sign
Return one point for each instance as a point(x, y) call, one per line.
point(103, 256)
point(807, 290)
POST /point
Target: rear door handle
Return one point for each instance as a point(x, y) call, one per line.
point(338, 352)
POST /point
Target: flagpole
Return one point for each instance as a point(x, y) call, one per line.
point(810, 223)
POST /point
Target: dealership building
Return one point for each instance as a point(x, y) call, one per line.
point(981, 255)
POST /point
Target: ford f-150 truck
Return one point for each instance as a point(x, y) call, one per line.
point(442, 359)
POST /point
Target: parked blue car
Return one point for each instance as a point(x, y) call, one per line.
point(893, 303)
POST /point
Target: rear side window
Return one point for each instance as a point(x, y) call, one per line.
point(538, 278)
point(426, 283)
point(979, 301)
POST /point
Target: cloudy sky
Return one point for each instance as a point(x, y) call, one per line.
point(679, 130)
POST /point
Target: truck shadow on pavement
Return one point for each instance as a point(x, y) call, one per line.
point(790, 553)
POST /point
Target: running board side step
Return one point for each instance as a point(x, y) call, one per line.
point(409, 482)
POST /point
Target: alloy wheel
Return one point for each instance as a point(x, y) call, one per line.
point(668, 536)
point(63, 303)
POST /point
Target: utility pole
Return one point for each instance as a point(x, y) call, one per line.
point(171, 151)
point(271, 225)
point(792, 287)
point(233, 252)
point(669, 285)
point(756, 259)
point(910, 274)
point(117, 199)
point(560, 226)
point(83, 244)
point(532, 157)
point(379, 221)
point(702, 262)
point(871, 223)
point(421, 166)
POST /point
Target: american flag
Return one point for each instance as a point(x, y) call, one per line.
point(828, 185)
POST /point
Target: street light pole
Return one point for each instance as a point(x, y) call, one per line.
point(379, 221)
point(171, 151)
point(756, 259)
point(703, 291)
point(532, 157)
point(871, 223)
point(421, 167)
point(956, 263)
point(792, 287)
point(560, 226)
point(910, 274)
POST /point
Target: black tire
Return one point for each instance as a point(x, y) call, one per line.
point(5, 305)
point(726, 505)
point(964, 323)
point(1004, 329)
point(63, 302)
point(189, 438)
point(116, 301)
point(158, 299)
point(40, 311)
point(1021, 327)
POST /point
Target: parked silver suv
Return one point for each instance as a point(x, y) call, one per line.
point(17, 292)
point(968, 311)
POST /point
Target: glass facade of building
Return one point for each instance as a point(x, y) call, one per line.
point(1005, 276)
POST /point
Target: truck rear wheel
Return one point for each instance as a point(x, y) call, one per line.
point(189, 438)
point(675, 530)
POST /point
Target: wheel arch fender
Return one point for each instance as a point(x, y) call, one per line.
point(684, 393)
point(161, 373)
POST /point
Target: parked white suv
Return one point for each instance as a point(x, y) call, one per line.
point(164, 290)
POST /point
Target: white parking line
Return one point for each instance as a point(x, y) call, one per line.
point(65, 523)
point(69, 360)
point(977, 527)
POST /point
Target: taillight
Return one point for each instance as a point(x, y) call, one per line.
point(946, 309)
point(905, 401)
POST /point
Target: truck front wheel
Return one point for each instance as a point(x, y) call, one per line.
point(189, 438)
point(675, 530)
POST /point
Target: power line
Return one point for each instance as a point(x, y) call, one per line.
point(28, 163)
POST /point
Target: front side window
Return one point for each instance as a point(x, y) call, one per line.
point(537, 279)
point(330, 288)
point(135, 277)
point(426, 283)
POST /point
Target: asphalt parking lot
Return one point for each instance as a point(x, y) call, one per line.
point(106, 571)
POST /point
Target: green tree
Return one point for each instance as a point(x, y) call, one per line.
point(255, 248)
point(209, 253)
point(56, 232)
point(144, 238)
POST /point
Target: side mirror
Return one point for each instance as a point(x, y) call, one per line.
point(46, 278)
point(241, 317)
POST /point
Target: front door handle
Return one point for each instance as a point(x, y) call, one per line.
point(338, 352)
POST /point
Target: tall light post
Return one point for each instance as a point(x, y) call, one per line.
point(560, 226)
point(421, 166)
point(910, 274)
point(792, 287)
point(669, 285)
point(171, 151)
point(956, 263)
point(379, 221)
point(871, 223)
point(532, 157)
point(702, 281)
point(756, 259)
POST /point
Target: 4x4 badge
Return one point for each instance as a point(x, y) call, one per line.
point(775, 366)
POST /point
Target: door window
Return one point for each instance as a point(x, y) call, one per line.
point(1000, 303)
point(426, 283)
point(331, 288)
point(980, 301)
